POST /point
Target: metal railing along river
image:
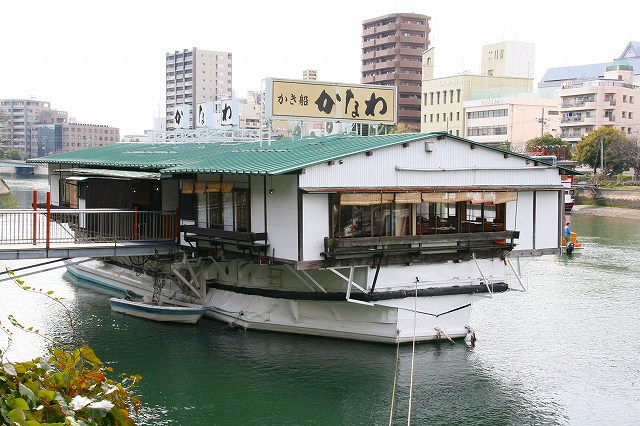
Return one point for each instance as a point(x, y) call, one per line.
point(83, 226)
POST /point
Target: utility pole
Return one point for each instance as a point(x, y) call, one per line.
point(602, 154)
point(541, 120)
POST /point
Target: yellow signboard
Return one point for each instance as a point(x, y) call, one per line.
point(316, 101)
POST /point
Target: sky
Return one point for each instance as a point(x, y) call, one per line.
point(103, 61)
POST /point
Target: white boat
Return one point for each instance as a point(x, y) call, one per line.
point(388, 238)
point(189, 314)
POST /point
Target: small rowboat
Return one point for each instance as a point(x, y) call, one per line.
point(172, 312)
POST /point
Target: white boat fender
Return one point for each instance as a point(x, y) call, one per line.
point(470, 338)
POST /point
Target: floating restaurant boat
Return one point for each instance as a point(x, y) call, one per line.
point(183, 313)
point(384, 238)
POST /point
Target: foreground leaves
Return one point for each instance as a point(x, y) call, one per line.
point(69, 388)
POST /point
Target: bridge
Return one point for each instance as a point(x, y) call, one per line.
point(64, 233)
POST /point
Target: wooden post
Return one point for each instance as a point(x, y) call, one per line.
point(35, 215)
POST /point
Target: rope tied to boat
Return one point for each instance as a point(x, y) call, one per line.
point(395, 378)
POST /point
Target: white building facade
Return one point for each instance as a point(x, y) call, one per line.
point(513, 119)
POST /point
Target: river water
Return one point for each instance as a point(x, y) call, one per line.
point(566, 352)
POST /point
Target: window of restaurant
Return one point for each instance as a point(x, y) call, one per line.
point(219, 205)
point(395, 214)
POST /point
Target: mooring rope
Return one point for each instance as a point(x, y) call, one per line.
point(395, 381)
point(413, 352)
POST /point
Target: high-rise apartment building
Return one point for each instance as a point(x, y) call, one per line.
point(392, 47)
point(195, 76)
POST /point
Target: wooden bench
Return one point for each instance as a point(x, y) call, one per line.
point(248, 240)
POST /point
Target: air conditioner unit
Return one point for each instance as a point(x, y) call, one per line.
point(332, 128)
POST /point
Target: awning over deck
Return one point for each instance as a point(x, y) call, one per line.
point(107, 173)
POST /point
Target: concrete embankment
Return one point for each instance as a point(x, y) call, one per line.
point(608, 197)
point(606, 211)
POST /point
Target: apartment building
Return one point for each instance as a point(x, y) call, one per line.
point(19, 115)
point(392, 47)
point(612, 101)
point(516, 119)
point(443, 98)
point(47, 139)
point(195, 76)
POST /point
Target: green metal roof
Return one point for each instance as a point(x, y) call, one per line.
point(279, 157)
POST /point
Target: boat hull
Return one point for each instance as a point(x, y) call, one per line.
point(439, 312)
point(181, 314)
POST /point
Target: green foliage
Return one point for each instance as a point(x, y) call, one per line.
point(588, 151)
point(70, 387)
point(552, 145)
point(506, 145)
point(8, 201)
point(404, 128)
point(12, 154)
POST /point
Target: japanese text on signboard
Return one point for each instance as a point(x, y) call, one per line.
point(334, 102)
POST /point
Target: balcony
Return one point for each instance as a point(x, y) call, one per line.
point(369, 32)
point(572, 119)
point(411, 76)
point(410, 52)
point(411, 27)
point(414, 39)
point(409, 101)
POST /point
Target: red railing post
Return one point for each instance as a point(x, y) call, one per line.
point(35, 215)
point(48, 216)
point(135, 223)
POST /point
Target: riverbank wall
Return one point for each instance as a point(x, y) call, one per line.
point(7, 200)
point(608, 197)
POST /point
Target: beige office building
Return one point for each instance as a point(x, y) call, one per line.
point(392, 47)
point(443, 98)
point(516, 119)
point(195, 76)
point(508, 59)
point(47, 139)
point(612, 101)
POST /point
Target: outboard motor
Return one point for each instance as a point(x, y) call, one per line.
point(570, 248)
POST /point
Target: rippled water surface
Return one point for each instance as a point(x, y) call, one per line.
point(565, 352)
